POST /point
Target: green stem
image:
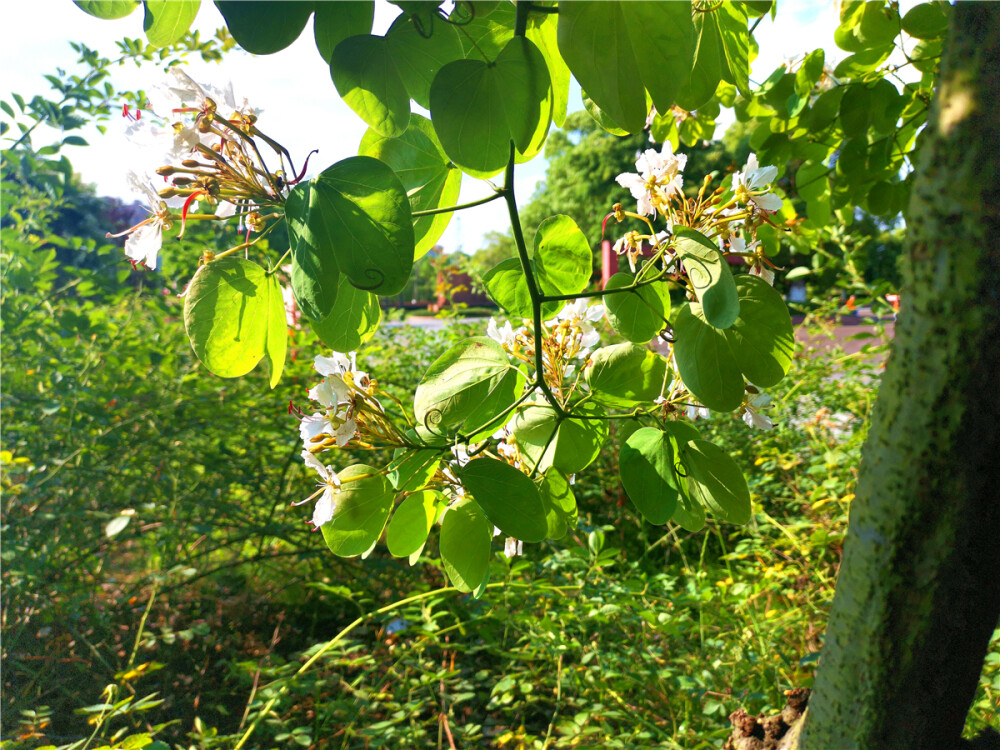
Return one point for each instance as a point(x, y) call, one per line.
point(529, 277)
point(459, 207)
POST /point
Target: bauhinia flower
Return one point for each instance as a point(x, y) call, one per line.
point(752, 416)
point(146, 238)
point(329, 486)
point(577, 315)
point(658, 179)
point(335, 394)
point(506, 336)
point(758, 262)
point(630, 245)
point(753, 185)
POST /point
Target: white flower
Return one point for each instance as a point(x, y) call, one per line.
point(753, 185)
point(333, 423)
point(146, 238)
point(327, 492)
point(631, 246)
point(695, 412)
point(757, 267)
point(579, 315)
point(751, 415)
point(512, 547)
point(505, 336)
point(657, 180)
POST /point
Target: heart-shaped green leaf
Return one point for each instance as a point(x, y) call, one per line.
point(625, 375)
point(570, 445)
point(418, 58)
point(466, 535)
point(716, 481)
point(640, 314)
point(265, 28)
point(234, 315)
point(361, 508)
point(508, 497)
point(478, 108)
point(367, 80)
point(355, 214)
point(353, 320)
point(710, 276)
point(167, 21)
point(646, 467)
point(107, 10)
point(559, 503)
point(430, 179)
point(468, 384)
point(609, 47)
point(412, 521)
point(335, 22)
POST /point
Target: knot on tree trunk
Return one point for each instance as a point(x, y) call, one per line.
point(762, 732)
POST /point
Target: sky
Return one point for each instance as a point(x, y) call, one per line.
point(300, 106)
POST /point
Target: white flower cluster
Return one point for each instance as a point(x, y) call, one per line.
point(657, 179)
point(335, 424)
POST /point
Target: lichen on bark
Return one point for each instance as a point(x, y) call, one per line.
point(918, 593)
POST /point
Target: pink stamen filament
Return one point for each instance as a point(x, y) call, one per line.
point(184, 211)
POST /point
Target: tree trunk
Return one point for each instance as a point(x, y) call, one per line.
point(919, 589)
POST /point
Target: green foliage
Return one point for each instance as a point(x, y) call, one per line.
point(234, 316)
point(361, 508)
point(509, 499)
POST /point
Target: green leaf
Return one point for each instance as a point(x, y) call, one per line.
point(265, 28)
point(542, 32)
point(926, 21)
point(716, 481)
point(418, 58)
point(352, 321)
point(316, 279)
point(810, 71)
point(601, 117)
point(366, 78)
point(107, 10)
point(705, 361)
point(761, 339)
point(646, 468)
point(360, 511)
point(335, 22)
point(506, 284)
point(471, 376)
point(570, 445)
point(414, 468)
point(357, 213)
point(734, 35)
point(489, 29)
point(637, 315)
point(879, 24)
point(430, 179)
point(559, 503)
point(608, 46)
point(478, 108)
point(508, 497)
point(562, 260)
point(167, 21)
point(412, 521)
point(625, 375)
point(234, 316)
point(689, 513)
point(710, 275)
point(466, 535)
point(860, 63)
point(561, 265)
point(707, 69)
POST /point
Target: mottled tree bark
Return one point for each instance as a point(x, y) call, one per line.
point(919, 589)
